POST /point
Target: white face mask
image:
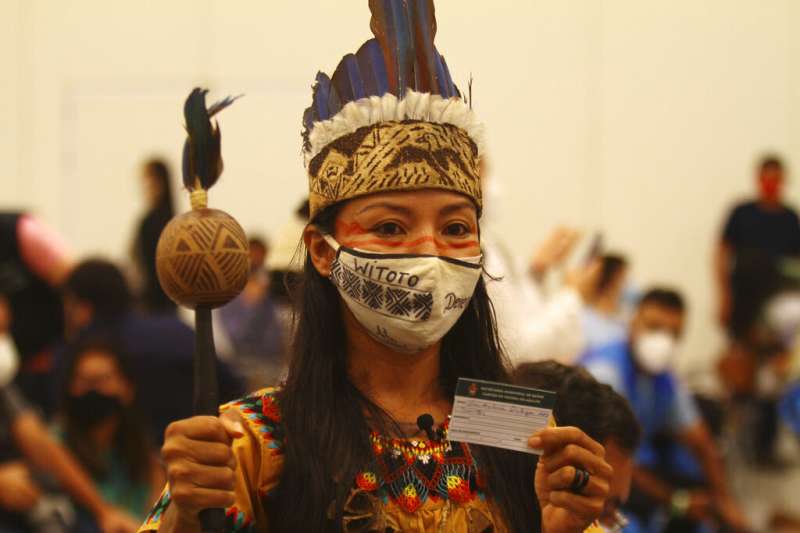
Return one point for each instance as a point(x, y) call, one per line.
point(407, 302)
point(654, 351)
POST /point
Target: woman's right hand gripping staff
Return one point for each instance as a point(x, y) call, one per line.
point(200, 467)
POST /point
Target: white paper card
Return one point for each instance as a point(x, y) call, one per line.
point(499, 415)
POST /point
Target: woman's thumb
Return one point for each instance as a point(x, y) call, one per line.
point(233, 422)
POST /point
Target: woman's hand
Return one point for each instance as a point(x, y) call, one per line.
point(18, 492)
point(200, 466)
point(563, 450)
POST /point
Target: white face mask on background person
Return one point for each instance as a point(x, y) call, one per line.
point(9, 362)
point(406, 301)
point(654, 351)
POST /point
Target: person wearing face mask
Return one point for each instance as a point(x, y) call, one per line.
point(640, 368)
point(100, 424)
point(392, 310)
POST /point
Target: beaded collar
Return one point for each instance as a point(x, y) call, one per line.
point(407, 472)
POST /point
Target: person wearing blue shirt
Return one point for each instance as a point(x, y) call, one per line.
point(639, 369)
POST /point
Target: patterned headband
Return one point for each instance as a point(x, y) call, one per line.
point(390, 118)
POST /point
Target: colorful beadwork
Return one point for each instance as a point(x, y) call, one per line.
point(235, 520)
point(409, 471)
point(262, 412)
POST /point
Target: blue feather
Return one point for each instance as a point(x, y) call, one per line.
point(322, 90)
point(404, 45)
point(441, 78)
point(451, 87)
point(334, 101)
point(374, 56)
point(356, 80)
point(347, 80)
point(367, 69)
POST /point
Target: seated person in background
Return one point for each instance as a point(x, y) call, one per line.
point(639, 369)
point(253, 325)
point(28, 456)
point(100, 424)
point(603, 315)
point(601, 413)
point(97, 300)
point(531, 325)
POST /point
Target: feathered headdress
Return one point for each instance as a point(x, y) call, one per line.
point(390, 117)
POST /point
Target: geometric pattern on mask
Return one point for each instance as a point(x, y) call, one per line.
point(385, 299)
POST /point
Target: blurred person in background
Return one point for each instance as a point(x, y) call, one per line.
point(157, 188)
point(690, 487)
point(253, 325)
point(97, 301)
point(758, 236)
point(36, 472)
point(100, 423)
point(532, 324)
point(33, 263)
point(604, 320)
point(283, 264)
point(763, 229)
point(601, 413)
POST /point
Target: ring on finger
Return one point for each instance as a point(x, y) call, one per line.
point(579, 481)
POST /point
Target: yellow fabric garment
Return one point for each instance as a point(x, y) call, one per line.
point(260, 461)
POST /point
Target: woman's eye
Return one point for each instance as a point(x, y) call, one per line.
point(388, 229)
point(456, 229)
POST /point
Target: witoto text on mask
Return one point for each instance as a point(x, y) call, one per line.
point(407, 302)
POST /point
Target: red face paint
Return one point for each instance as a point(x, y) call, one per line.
point(359, 243)
point(350, 228)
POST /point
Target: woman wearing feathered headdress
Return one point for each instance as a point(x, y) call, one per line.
point(393, 309)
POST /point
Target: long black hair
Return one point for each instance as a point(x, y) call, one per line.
point(325, 416)
point(132, 439)
point(157, 169)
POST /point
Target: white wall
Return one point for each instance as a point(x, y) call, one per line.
point(639, 118)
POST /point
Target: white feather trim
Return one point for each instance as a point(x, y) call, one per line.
point(375, 109)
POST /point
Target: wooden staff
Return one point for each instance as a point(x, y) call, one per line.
point(202, 258)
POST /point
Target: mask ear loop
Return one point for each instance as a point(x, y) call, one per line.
point(331, 242)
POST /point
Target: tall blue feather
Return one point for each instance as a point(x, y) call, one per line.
point(404, 53)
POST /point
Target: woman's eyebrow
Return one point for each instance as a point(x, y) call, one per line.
point(460, 206)
point(386, 205)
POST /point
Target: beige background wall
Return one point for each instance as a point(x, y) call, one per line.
point(639, 118)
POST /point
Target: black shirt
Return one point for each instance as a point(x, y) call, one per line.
point(752, 228)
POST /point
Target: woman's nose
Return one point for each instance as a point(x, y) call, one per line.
point(425, 243)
